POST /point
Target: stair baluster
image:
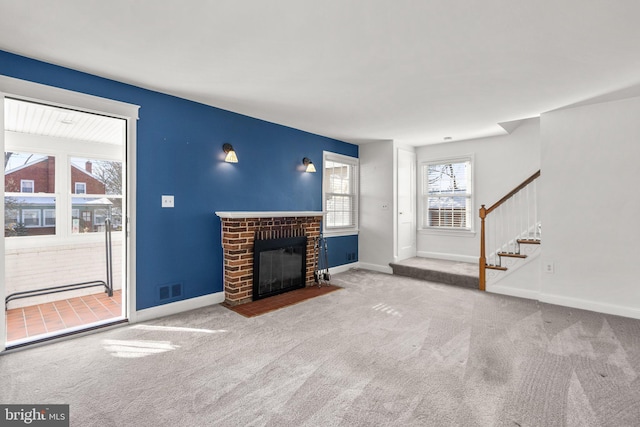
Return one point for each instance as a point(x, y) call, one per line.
point(536, 236)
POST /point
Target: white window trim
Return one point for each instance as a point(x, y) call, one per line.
point(33, 185)
point(83, 185)
point(448, 231)
point(39, 218)
point(355, 162)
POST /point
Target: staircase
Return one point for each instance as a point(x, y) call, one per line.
point(510, 237)
point(509, 231)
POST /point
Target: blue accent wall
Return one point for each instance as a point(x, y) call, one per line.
point(342, 250)
point(179, 152)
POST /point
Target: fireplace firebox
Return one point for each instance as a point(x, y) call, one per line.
point(279, 264)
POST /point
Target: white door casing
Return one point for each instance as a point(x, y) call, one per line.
point(406, 191)
point(3, 318)
point(29, 91)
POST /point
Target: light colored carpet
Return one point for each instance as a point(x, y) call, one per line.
point(385, 351)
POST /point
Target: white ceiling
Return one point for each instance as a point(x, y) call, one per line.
point(411, 71)
point(46, 120)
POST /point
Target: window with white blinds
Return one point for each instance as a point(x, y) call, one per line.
point(340, 192)
point(446, 195)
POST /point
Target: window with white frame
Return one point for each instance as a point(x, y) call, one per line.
point(27, 186)
point(99, 216)
point(25, 210)
point(340, 193)
point(93, 207)
point(81, 188)
point(49, 217)
point(447, 199)
point(31, 217)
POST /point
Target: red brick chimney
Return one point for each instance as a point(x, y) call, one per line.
point(88, 166)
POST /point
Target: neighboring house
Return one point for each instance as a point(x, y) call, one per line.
point(33, 215)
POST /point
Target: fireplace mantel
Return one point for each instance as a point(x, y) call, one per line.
point(268, 214)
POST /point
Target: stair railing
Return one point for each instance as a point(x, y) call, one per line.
point(515, 218)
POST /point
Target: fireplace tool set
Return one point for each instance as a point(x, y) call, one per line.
point(321, 263)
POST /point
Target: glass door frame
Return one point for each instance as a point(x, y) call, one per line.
point(35, 92)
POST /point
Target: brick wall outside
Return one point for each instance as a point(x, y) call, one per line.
point(43, 176)
point(94, 186)
point(237, 244)
point(41, 173)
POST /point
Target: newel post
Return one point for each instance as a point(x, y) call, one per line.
point(483, 257)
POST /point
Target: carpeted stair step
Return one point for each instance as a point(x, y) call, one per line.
point(441, 271)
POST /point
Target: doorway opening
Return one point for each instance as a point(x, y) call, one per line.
point(65, 210)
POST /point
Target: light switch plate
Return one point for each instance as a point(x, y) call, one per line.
point(167, 201)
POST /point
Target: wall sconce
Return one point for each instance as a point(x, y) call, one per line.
point(231, 154)
point(309, 164)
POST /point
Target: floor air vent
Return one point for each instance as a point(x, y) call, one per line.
point(176, 290)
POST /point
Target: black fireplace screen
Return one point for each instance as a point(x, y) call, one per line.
point(279, 265)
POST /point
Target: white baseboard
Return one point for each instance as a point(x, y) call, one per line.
point(375, 267)
point(177, 307)
point(203, 301)
point(448, 257)
point(513, 292)
point(343, 268)
point(599, 307)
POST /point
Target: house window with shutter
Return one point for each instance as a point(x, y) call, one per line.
point(447, 201)
point(31, 217)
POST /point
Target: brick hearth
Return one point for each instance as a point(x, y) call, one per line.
point(238, 235)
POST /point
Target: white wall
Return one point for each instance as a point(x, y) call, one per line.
point(29, 268)
point(500, 164)
point(590, 205)
point(375, 241)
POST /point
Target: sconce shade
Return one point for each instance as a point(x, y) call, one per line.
point(231, 154)
point(309, 164)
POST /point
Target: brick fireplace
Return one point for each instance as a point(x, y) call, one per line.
point(238, 236)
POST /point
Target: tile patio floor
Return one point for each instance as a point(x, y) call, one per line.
point(54, 316)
